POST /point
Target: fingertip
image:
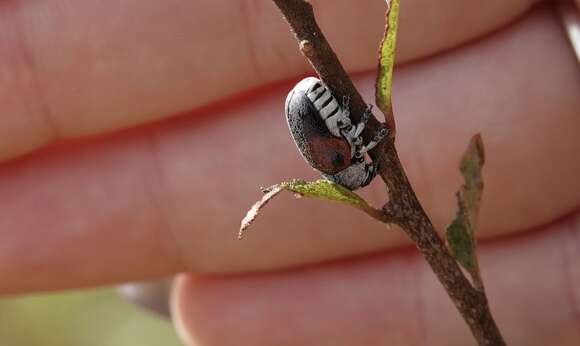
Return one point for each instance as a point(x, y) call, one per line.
point(389, 299)
point(177, 303)
point(341, 303)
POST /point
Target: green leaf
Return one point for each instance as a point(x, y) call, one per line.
point(461, 244)
point(470, 193)
point(324, 189)
point(460, 233)
point(383, 87)
point(321, 189)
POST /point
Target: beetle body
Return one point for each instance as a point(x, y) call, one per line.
point(325, 136)
point(324, 151)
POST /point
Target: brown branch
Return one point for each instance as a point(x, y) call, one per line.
point(403, 207)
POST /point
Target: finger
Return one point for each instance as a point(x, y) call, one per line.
point(77, 68)
point(390, 299)
point(154, 201)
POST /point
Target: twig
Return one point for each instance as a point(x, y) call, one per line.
point(403, 207)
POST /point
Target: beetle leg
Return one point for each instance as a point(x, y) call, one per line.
point(371, 170)
point(347, 134)
point(358, 156)
point(355, 142)
point(367, 114)
point(358, 129)
point(381, 133)
point(346, 106)
point(363, 121)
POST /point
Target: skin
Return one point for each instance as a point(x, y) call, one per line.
point(131, 151)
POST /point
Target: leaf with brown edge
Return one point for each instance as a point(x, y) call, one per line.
point(460, 234)
point(383, 85)
point(252, 214)
point(321, 189)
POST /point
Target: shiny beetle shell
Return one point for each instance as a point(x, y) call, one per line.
point(322, 150)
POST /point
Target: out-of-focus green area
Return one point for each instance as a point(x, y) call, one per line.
point(80, 318)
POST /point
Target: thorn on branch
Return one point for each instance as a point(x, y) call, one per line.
point(306, 48)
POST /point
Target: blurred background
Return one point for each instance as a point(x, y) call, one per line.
point(81, 318)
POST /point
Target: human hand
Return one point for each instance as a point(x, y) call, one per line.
point(102, 183)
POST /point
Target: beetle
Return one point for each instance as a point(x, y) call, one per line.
point(326, 137)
